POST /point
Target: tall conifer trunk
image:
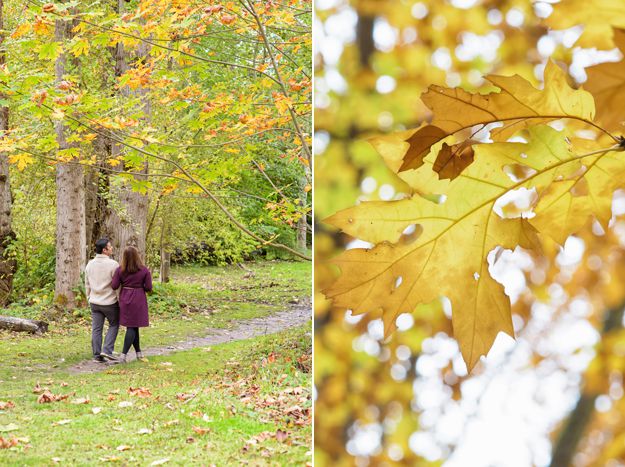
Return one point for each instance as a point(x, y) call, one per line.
point(70, 202)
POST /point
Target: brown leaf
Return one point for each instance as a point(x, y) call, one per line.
point(184, 396)
point(201, 431)
point(81, 400)
point(281, 436)
point(6, 443)
point(47, 397)
point(139, 392)
point(452, 160)
point(6, 405)
point(420, 143)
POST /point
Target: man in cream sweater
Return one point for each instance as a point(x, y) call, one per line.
point(103, 300)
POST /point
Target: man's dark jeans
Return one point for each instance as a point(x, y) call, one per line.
point(98, 314)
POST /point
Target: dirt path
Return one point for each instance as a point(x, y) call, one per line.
point(276, 322)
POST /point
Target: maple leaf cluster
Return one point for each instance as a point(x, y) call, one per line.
point(476, 195)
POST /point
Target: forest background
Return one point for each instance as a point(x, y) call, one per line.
point(553, 396)
point(181, 128)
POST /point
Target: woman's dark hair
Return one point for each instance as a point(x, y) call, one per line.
point(131, 261)
point(100, 245)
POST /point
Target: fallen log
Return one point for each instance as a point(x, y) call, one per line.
point(23, 325)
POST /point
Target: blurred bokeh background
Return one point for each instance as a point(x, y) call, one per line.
point(553, 396)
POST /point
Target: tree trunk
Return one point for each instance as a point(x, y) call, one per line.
point(7, 265)
point(575, 426)
point(70, 205)
point(165, 253)
point(302, 223)
point(126, 218)
point(26, 325)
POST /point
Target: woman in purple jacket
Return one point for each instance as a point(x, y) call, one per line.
point(135, 280)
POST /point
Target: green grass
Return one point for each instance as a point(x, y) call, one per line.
point(221, 377)
point(243, 388)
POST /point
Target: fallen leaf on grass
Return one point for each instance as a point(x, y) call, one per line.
point(64, 384)
point(160, 461)
point(123, 447)
point(166, 363)
point(47, 397)
point(171, 422)
point(6, 443)
point(111, 398)
point(81, 400)
point(123, 404)
point(144, 431)
point(38, 389)
point(190, 440)
point(56, 460)
point(139, 392)
point(6, 405)
point(110, 459)
point(61, 422)
point(96, 410)
point(201, 431)
point(184, 396)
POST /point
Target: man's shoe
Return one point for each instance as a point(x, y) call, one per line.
point(108, 357)
point(98, 359)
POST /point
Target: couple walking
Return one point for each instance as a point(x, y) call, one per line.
point(103, 277)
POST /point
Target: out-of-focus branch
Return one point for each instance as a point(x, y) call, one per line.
point(575, 427)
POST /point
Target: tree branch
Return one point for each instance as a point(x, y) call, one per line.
point(575, 427)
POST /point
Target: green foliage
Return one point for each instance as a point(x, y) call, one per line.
point(37, 273)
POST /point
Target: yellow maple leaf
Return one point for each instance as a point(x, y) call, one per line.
point(426, 250)
point(517, 105)
point(21, 30)
point(22, 160)
point(597, 16)
point(283, 103)
point(606, 82)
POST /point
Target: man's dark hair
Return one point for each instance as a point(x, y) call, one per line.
point(100, 245)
